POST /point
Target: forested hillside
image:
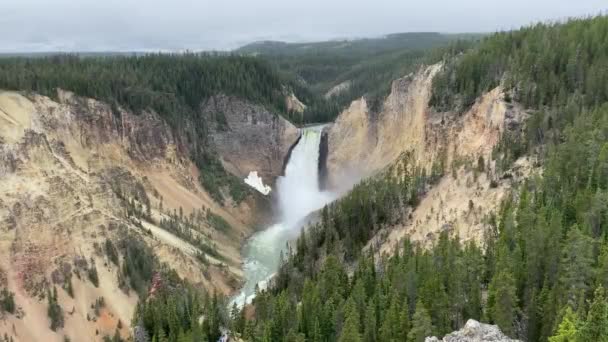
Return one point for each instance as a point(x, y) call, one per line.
point(546, 66)
point(173, 86)
point(556, 70)
point(542, 272)
point(351, 48)
point(362, 66)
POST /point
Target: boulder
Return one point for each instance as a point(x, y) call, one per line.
point(474, 331)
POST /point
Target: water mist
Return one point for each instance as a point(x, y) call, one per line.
point(298, 195)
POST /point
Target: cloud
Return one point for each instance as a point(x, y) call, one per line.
point(127, 25)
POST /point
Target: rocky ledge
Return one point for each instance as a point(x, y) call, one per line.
point(474, 331)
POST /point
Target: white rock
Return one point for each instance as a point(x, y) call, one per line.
point(474, 331)
point(255, 181)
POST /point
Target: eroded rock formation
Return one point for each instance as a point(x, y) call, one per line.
point(73, 171)
point(248, 137)
point(362, 143)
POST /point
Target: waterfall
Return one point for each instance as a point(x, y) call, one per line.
point(298, 195)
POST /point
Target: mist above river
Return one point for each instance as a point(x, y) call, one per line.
point(298, 195)
point(298, 191)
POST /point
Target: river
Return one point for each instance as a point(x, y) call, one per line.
point(298, 195)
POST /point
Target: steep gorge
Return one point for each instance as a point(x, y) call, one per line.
point(75, 174)
point(100, 163)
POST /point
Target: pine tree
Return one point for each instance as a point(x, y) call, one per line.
point(267, 333)
point(602, 168)
point(576, 266)
point(54, 310)
point(602, 267)
point(7, 301)
point(502, 301)
point(370, 325)
point(391, 329)
point(92, 273)
point(595, 327)
point(315, 334)
point(547, 309)
point(309, 308)
point(238, 319)
point(421, 324)
point(567, 331)
point(70, 288)
point(350, 330)
point(404, 321)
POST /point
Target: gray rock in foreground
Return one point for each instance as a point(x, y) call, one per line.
point(474, 331)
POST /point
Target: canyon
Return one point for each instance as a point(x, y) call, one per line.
point(72, 165)
point(417, 186)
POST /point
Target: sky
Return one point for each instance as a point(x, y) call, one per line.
point(174, 25)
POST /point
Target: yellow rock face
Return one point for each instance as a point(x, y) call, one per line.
point(15, 116)
point(361, 143)
point(63, 167)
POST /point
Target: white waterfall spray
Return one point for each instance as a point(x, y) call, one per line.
point(298, 195)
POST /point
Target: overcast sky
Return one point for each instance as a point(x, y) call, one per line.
point(129, 25)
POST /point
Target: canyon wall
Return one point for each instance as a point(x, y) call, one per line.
point(362, 143)
point(72, 173)
point(248, 137)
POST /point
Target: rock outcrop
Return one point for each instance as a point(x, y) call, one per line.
point(337, 89)
point(362, 142)
point(248, 137)
point(293, 104)
point(474, 331)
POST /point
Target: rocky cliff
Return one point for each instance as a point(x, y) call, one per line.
point(474, 331)
point(293, 104)
point(362, 142)
point(76, 173)
point(248, 137)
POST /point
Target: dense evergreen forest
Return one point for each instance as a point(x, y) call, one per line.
point(545, 64)
point(172, 85)
point(353, 48)
point(180, 312)
point(367, 65)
